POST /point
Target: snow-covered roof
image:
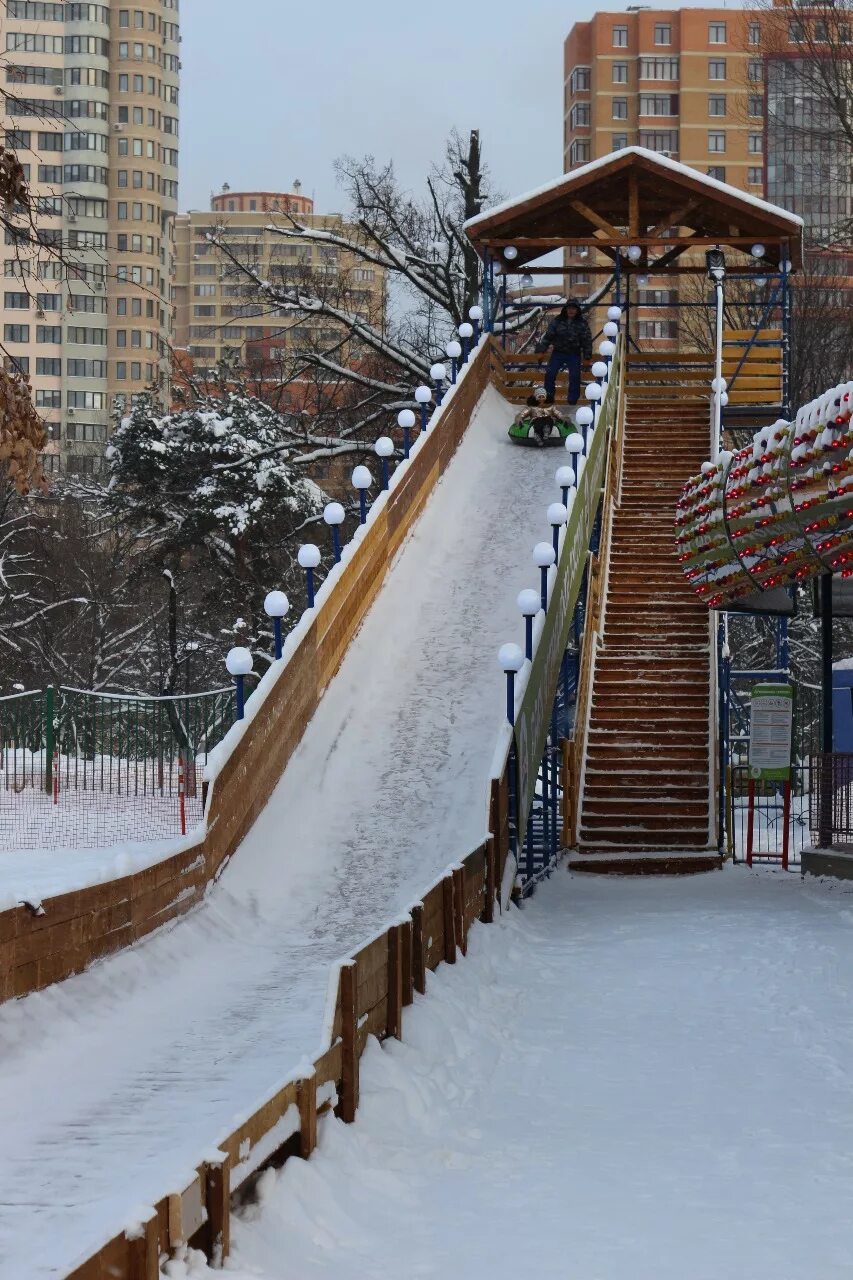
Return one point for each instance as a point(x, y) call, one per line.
point(665, 162)
point(661, 178)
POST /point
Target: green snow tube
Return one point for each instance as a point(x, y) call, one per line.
point(539, 429)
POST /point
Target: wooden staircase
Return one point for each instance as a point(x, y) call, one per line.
point(647, 781)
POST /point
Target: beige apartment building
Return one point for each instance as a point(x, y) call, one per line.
point(687, 83)
point(91, 109)
point(218, 315)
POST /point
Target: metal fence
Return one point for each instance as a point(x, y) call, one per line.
point(86, 770)
point(831, 810)
point(768, 821)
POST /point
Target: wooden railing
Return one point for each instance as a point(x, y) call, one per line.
point(517, 374)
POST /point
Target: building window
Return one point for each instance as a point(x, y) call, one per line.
point(717, 104)
point(620, 108)
point(17, 301)
point(795, 32)
point(578, 83)
point(579, 116)
point(717, 69)
point(717, 172)
point(620, 37)
point(754, 33)
point(658, 68)
point(620, 141)
point(716, 142)
point(48, 399)
point(755, 70)
point(756, 105)
point(579, 152)
point(716, 33)
point(664, 141)
point(663, 33)
point(756, 144)
point(620, 72)
point(658, 104)
point(16, 333)
point(657, 329)
point(755, 176)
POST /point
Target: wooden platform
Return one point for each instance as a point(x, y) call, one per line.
point(635, 862)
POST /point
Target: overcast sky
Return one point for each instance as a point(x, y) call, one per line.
point(275, 90)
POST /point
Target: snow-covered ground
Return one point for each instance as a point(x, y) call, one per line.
point(635, 1079)
point(116, 1083)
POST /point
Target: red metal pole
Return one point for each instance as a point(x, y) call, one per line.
point(750, 820)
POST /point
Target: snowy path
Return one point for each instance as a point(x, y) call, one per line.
point(635, 1080)
point(115, 1083)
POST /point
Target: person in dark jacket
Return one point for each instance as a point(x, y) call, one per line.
point(570, 338)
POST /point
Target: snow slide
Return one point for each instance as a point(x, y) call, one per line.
point(117, 1082)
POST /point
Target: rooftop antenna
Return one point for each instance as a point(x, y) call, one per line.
point(297, 186)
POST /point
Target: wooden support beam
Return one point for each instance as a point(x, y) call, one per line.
point(665, 259)
point(459, 908)
point(418, 953)
point(306, 1096)
point(218, 1203)
point(144, 1251)
point(406, 936)
point(488, 912)
point(448, 896)
point(633, 204)
point(597, 221)
point(675, 219)
point(348, 1103)
point(394, 1011)
point(545, 244)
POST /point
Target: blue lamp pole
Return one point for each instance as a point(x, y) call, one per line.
point(511, 660)
point(334, 516)
point(239, 663)
point(557, 517)
point(406, 420)
point(528, 605)
point(423, 395)
point(309, 559)
point(438, 373)
point(362, 480)
point(543, 556)
point(384, 449)
point(276, 606)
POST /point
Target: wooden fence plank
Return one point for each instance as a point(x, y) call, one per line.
point(394, 1016)
point(143, 1252)
point(448, 895)
point(418, 953)
point(218, 1201)
point(307, 1103)
point(348, 997)
point(408, 968)
point(459, 931)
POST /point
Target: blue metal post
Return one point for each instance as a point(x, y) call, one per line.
point(362, 505)
point(309, 586)
point(564, 489)
point(405, 442)
point(465, 349)
point(503, 309)
point(555, 528)
point(439, 393)
point(528, 637)
point(241, 704)
point(276, 628)
point(384, 473)
point(510, 696)
point(423, 417)
point(336, 542)
point(476, 338)
point(543, 586)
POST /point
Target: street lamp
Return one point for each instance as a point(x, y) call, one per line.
point(528, 604)
point(362, 480)
point(423, 395)
point(406, 420)
point(239, 663)
point(557, 517)
point(466, 332)
point(565, 478)
point(715, 262)
point(384, 449)
point(543, 557)
point(511, 660)
point(454, 351)
point(438, 373)
point(610, 329)
point(276, 606)
point(309, 559)
point(334, 516)
point(583, 418)
point(475, 315)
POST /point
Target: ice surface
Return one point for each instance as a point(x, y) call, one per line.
point(116, 1082)
point(631, 1080)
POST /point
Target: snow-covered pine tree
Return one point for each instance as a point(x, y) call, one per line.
point(212, 492)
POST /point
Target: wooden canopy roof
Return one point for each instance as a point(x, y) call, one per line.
point(635, 197)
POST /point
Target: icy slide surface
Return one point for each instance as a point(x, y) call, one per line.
point(641, 1079)
point(115, 1083)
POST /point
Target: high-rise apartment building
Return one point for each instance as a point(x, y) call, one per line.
point(218, 313)
point(684, 82)
point(91, 109)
